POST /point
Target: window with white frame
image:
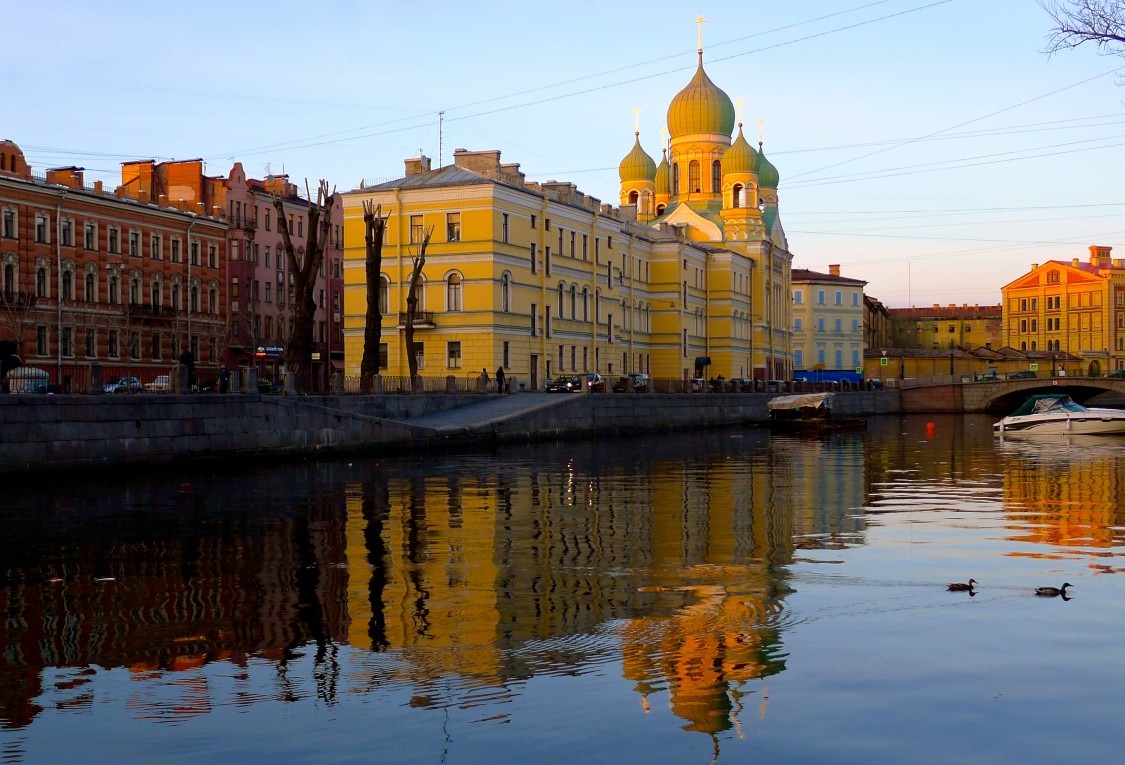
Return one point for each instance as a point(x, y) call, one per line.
point(8, 228)
point(453, 293)
point(42, 228)
point(453, 354)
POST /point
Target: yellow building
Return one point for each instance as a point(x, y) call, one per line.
point(945, 327)
point(1077, 308)
point(690, 275)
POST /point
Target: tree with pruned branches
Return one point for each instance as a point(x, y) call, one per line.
point(375, 226)
point(1101, 22)
point(298, 356)
point(419, 261)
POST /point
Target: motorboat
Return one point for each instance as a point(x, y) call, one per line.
point(1059, 414)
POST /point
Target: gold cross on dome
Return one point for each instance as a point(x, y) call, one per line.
point(700, 21)
point(739, 102)
point(761, 129)
point(637, 120)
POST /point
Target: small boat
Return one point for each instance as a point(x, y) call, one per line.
point(1059, 414)
point(808, 412)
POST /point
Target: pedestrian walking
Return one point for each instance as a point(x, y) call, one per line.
point(484, 381)
point(500, 379)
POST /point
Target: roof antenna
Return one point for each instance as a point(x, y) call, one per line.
point(440, 123)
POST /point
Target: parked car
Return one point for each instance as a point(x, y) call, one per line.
point(123, 385)
point(1023, 375)
point(640, 383)
point(266, 385)
point(590, 381)
point(1118, 373)
point(44, 387)
point(162, 384)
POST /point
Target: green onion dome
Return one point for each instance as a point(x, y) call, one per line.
point(663, 186)
point(740, 157)
point(767, 173)
point(637, 165)
point(701, 107)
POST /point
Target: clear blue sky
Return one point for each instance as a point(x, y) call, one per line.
point(927, 146)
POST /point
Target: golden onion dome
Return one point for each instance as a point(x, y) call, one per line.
point(767, 173)
point(662, 184)
point(701, 107)
point(637, 165)
point(740, 157)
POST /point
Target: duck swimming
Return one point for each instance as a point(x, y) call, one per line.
point(1051, 592)
point(962, 586)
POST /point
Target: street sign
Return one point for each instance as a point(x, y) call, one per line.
point(859, 370)
point(1034, 367)
point(883, 361)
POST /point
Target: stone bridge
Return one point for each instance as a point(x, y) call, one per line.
point(999, 397)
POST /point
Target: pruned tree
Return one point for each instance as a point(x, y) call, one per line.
point(375, 226)
point(418, 261)
point(1101, 22)
point(298, 356)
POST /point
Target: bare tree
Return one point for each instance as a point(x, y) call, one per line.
point(1101, 22)
point(376, 226)
point(298, 355)
point(419, 261)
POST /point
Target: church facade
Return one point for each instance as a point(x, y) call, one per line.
point(689, 276)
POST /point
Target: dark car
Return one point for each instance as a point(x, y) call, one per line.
point(1024, 375)
point(590, 381)
point(1118, 373)
point(640, 383)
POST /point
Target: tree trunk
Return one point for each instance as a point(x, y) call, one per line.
point(412, 305)
point(298, 354)
point(375, 226)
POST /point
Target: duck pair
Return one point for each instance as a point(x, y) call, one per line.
point(1043, 592)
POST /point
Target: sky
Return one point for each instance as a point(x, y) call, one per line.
point(928, 147)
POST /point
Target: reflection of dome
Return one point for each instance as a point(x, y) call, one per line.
point(662, 184)
point(740, 157)
point(767, 173)
point(701, 107)
point(637, 165)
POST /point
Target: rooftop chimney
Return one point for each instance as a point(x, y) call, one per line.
point(834, 269)
point(1099, 255)
point(418, 165)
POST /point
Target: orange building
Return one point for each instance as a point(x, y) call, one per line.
point(123, 279)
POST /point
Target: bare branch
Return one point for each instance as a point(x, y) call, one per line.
point(1101, 22)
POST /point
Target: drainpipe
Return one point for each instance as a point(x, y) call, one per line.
point(187, 287)
point(398, 257)
point(59, 297)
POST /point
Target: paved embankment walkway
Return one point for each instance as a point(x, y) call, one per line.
point(483, 417)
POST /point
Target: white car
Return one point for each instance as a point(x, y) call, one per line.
point(123, 385)
point(162, 384)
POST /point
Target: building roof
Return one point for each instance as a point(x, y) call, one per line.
point(948, 312)
point(805, 275)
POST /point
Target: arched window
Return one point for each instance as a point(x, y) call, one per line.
point(1053, 277)
point(506, 292)
point(135, 290)
point(632, 197)
point(675, 179)
point(585, 304)
point(562, 289)
point(736, 193)
point(693, 177)
point(716, 177)
point(420, 296)
point(213, 300)
point(660, 209)
point(453, 293)
point(9, 281)
point(41, 282)
point(384, 295)
point(90, 295)
point(67, 285)
point(574, 301)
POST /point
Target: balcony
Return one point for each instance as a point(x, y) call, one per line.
point(423, 319)
point(244, 223)
point(149, 311)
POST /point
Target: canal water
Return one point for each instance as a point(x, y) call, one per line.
point(717, 596)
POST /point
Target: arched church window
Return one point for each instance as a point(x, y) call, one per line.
point(693, 177)
point(675, 179)
point(632, 197)
point(737, 195)
point(716, 177)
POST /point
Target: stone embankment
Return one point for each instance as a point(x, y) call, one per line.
point(74, 432)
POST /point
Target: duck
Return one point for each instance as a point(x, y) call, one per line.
point(1052, 592)
point(962, 586)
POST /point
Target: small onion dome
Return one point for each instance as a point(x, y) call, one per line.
point(740, 157)
point(701, 107)
point(662, 184)
point(767, 173)
point(637, 165)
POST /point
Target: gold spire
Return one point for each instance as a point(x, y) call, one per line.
point(700, 21)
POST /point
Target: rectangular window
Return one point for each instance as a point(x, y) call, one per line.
point(420, 354)
point(839, 297)
point(9, 227)
point(91, 343)
point(194, 253)
point(154, 249)
point(384, 356)
point(268, 220)
point(176, 256)
point(855, 298)
point(505, 361)
point(547, 260)
point(798, 324)
point(134, 244)
point(504, 227)
point(154, 346)
point(212, 256)
point(114, 243)
point(798, 296)
point(453, 352)
point(820, 297)
point(41, 348)
point(533, 221)
point(855, 325)
point(66, 235)
point(820, 356)
point(534, 254)
point(416, 232)
point(269, 292)
point(839, 358)
point(820, 324)
point(113, 347)
point(66, 341)
point(585, 248)
point(534, 319)
point(42, 226)
point(453, 227)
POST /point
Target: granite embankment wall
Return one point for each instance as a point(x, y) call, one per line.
point(40, 433)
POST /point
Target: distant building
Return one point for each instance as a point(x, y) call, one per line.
point(124, 279)
point(1076, 308)
point(829, 316)
point(943, 327)
point(876, 323)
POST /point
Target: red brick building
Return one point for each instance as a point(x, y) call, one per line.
point(125, 279)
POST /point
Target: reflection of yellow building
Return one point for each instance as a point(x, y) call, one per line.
point(1077, 308)
point(543, 279)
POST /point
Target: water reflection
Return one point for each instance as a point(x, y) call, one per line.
point(460, 577)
